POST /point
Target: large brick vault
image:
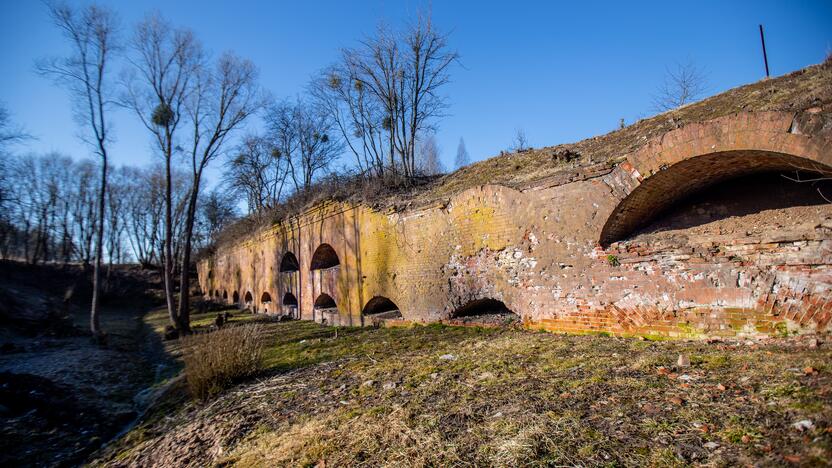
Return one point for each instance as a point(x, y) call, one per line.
point(598, 251)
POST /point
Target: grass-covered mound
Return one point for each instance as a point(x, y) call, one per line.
point(446, 396)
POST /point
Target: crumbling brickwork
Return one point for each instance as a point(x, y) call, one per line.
point(566, 254)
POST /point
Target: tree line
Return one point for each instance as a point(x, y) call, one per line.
point(48, 211)
point(371, 115)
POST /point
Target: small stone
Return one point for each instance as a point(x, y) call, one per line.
point(804, 425)
point(683, 361)
point(389, 386)
point(711, 445)
point(813, 343)
point(745, 439)
point(447, 357)
point(677, 401)
point(720, 387)
point(810, 371)
point(368, 383)
point(662, 370)
point(434, 375)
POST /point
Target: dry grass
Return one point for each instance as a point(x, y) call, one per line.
point(386, 397)
point(215, 361)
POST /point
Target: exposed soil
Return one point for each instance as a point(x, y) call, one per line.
point(467, 396)
point(62, 395)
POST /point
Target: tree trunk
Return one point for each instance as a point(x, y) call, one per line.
point(168, 249)
point(95, 326)
point(185, 268)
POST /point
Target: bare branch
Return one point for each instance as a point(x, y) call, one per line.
point(682, 85)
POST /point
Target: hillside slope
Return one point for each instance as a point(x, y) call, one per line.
point(456, 396)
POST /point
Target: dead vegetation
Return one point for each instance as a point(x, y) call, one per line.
point(454, 396)
point(214, 361)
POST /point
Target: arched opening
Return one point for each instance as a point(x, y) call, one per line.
point(225, 295)
point(210, 274)
point(248, 297)
point(290, 305)
point(485, 312)
point(325, 302)
point(381, 308)
point(290, 300)
point(737, 182)
point(754, 200)
point(235, 297)
point(266, 298)
point(324, 258)
point(289, 263)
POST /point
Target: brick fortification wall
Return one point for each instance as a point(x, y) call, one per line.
point(572, 254)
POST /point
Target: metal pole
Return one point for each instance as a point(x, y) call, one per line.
point(765, 56)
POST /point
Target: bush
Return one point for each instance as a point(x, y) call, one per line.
point(215, 361)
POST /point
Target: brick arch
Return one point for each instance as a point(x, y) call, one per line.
point(289, 263)
point(324, 258)
point(380, 305)
point(689, 159)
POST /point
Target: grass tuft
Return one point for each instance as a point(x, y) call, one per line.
point(215, 361)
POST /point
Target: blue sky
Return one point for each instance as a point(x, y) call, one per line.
point(562, 71)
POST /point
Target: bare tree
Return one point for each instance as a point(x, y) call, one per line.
point(519, 143)
point(682, 85)
point(165, 60)
point(303, 134)
point(462, 158)
point(92, 33)
point(258, 172)
point(428, 161)
point(144, 208)
point(216, 211)
point(385, 92)
point(219, 103)
point(9, 133)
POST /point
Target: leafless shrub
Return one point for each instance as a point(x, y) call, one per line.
point(214, 361)
point(682, 85)
point(519, 143)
